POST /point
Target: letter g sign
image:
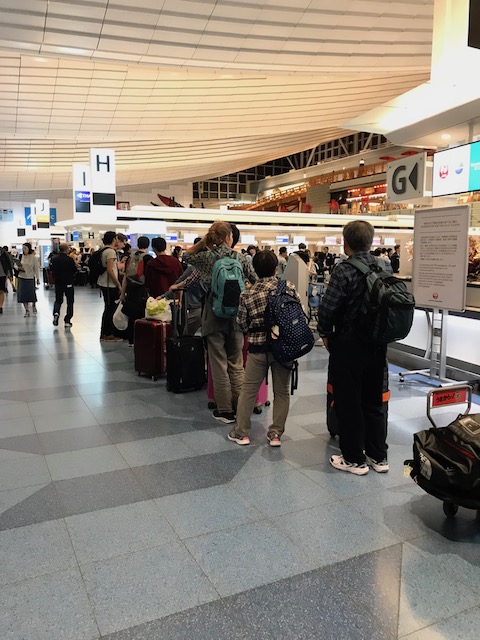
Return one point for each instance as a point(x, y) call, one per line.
point(399, 184)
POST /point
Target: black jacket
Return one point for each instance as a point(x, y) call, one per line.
point(63, 268)
point(6, 262)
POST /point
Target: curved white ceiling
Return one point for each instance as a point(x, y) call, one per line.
point(187, 89)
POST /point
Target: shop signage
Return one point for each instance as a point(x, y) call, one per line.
point(406, 178)
point(171, 237)
point(281, 240)
point(440, 257)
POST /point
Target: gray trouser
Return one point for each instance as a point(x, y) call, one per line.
point(226, 364)
point(255, 372)
point(194, 321)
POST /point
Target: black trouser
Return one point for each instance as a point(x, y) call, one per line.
point(110, 295)
point(134, 307)
point(356, 372)
point(67, 291)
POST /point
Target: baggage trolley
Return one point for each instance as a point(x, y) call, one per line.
point(444, 397)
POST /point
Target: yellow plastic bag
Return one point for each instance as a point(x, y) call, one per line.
point(158, 309)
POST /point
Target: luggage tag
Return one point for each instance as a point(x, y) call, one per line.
point(407, 469)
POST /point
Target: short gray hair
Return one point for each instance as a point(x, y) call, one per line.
point(359, 235)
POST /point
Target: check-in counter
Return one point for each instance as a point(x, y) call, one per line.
point(462, 339)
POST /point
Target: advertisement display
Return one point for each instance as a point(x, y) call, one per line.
point(456, 170)
point(440, 257)
point(281, 239)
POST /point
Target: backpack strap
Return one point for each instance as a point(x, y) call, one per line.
point(358, 264)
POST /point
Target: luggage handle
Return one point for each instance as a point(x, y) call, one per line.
point(448, 396)
point(179, 312)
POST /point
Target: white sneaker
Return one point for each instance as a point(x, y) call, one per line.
point(379, 467)
point(339, 462)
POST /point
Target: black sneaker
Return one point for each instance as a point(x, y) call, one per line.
point(227, 418)
point(55, 319)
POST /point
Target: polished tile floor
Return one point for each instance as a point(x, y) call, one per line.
point(126, 514)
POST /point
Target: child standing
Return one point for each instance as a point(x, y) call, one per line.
point(251, 320)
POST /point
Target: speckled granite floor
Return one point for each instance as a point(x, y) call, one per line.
point(126, 514)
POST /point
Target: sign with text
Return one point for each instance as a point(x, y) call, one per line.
point(6, 215)
point(81, 188)
point(103, 181)
point(443, 397)
point(406, 178)
point(440, 257)
point(42, 210)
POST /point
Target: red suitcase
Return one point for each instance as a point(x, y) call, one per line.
point(149, 347)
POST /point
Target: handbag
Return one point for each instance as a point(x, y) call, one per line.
point(120, 320)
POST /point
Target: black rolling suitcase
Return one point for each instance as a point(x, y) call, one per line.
point(185, 356)
point(332, 420)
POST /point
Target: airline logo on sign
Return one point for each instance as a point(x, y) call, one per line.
point(406, 178)
point(81, 188)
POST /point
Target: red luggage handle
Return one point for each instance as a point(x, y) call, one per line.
point(448, 396)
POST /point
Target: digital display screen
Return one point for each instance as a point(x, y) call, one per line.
point(456, 170)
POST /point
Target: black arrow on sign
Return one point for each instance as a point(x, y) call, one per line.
point(413, 177)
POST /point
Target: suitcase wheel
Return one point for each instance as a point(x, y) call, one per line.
point(138, 373)
point(257, 410)
point(154, 378)
point(450, 509)
point(212, 405)
point(267, 403)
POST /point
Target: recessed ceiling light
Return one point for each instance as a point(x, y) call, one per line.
point(40, 59)
point(446, 136)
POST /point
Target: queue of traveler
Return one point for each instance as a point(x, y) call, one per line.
point(358, 390)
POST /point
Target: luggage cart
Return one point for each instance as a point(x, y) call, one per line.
point(444, 397)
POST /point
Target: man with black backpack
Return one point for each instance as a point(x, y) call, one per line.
point(354, 334)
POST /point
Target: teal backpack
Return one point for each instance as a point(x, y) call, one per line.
point(228, 282)
point(387, 309)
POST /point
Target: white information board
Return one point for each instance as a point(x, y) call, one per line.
point(440, 257)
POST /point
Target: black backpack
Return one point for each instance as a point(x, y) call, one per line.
point(386, 312)
point(95, 265)
point(288, 334)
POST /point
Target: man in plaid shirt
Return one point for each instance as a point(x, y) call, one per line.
point(356, 366)
point(250, 318)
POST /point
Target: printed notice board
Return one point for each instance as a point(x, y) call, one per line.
point(440, 257)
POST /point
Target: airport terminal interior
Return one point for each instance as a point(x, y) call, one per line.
point(125, 511)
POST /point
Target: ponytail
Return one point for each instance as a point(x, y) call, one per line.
point(217, 234)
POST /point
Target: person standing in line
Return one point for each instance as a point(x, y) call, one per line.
point(251, 320)
point(282, 262)
point(356, 366)
point(223, 335)
point(5, 272)
point(134, 291)
point(110, 285)
point(395, 259)
point(162, 271)
point(64, 269)
point(28, 276)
